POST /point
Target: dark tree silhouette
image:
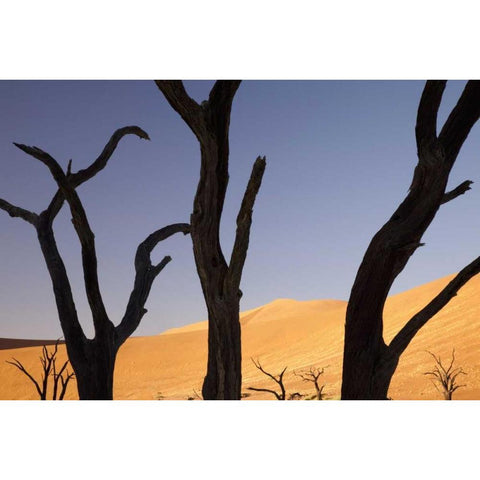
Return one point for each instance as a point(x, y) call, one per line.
point(278, 381)
point(220, 280)
point(368, 363)
point(445, 379)
point(49, 369)
point(313, 375)
point(93, 360)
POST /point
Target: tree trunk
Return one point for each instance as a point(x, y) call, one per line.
point(95, 376)
point(368, 363)
point(224, 368)
point(220, 281)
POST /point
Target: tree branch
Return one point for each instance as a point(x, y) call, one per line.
point(145, 274)
point(244, 222)
point(406, 334)
point(17, 364)
point(222, 93)
point(266, 390)
point(19, 212)
point(99, 164)
point(426, 126)
point(456, 192)
point(178, 98)
point(278, 381)
point(84, 233)
point(461, 120)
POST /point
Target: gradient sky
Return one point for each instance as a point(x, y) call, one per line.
point(340, 158)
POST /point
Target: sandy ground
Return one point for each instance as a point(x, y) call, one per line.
point(284, 333)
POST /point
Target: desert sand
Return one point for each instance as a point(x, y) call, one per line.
point(283, 333)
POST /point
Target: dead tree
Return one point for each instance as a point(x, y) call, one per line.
point(49, 369)
point(220, 280)
point(278, 381)
point(445, 378)
point(313, 375)
point(368, 363)
point(93, 360)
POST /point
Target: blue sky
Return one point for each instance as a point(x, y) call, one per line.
point(340, 158)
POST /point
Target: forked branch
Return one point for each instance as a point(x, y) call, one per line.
point(313, 375)
point(278, 380)
point(48, 362)
point(76, 179)
point(84, 233)
point(145, 274)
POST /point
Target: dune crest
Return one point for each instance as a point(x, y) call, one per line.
point(292, 333)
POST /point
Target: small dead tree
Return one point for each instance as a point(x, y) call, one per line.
point(445, 379)
point(93, 360)
point(278, 380)
point(220, 280)
point(313, 375)
point(49, 369)
point(368, 362)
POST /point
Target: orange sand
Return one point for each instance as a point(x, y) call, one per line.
point(284, 333)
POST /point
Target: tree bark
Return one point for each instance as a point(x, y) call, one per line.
point(368, 363)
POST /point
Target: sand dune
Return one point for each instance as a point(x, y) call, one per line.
point(285, 333)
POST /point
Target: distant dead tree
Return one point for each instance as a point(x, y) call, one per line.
point(49, 369)
point(220, 280)
point(278, 380)
point(368, 362)
point(445, 379)
point(93, 360)
point(313, 375)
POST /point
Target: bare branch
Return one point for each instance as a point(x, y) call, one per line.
point(17, 364)
point(406, 334)
point(84, 233)
point(278, 381)
point(456, 192)
point(445, 378)
point(461, 120)
point(313, 376)
point(244, 222)
point(99, 164)
point(184, 105)
point(48, 362)
point(19, 212)
point(65, 381)
point(144, 277)
point(278, 397)
point(222, 93)
point(426, 127)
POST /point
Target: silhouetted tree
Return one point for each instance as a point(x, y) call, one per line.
point(220, 280)
point(445, 378)
point(93, 360)
point(313, 375)
point(278, 381)
point(368, 363)
point(49, 369)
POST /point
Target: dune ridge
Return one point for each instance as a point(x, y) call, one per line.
point(286, 332)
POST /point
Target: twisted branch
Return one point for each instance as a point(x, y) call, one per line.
point(144, 277)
